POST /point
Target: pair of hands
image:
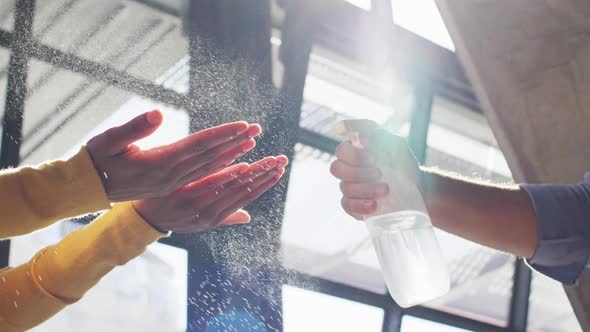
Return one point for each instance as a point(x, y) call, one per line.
point(187, 186)
point(362, 183)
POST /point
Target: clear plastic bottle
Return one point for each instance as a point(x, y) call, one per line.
point(404, 240)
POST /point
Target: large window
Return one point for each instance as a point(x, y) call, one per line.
point(104, 62)
point(422, 18)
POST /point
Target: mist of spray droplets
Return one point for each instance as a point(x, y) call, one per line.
point(248, 255)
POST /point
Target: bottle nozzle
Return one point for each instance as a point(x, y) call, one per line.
point(352, 129)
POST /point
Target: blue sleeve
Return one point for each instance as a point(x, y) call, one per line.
point(563, 213)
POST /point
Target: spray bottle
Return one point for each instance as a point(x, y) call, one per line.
point(402, 234)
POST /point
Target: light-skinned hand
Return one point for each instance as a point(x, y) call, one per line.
point(361, 180)
point(214, 201)
point(129, 173)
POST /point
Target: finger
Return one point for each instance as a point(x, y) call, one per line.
point(238, 217)
point(222, 202)
point(118, 138)
point(364, 190)
point(222, 148)
point(358, 207)
point(249, 197)
point(349, 173)
point(282, 161)
point(217, 179)
point(209, 138)
point(353, 155)
point(198, 167)
point(244, 182)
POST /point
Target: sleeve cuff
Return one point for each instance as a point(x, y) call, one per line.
point(67, 270)
point(563, 248)
point(86, 188)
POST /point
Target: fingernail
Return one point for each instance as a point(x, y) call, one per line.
point(154, 117)
point(282, 162)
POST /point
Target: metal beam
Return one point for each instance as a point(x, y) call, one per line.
point(108, 75)
point(519, 304)
point(16, 92)
point(453, 320)
point(318, 284)
point(230, 62)
point(392, 319)
point(420, 120)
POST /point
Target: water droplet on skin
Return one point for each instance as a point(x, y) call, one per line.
point(3, 279)
point(106, 176)
point(15, 304)
point(17, 293)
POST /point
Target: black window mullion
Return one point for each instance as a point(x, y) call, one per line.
point(16, 91)
point(519, 303)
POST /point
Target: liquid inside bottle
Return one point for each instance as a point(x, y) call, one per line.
point(409, 255)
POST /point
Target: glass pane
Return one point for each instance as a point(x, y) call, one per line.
point(7, 14)
point(549, 307)
point(337, 89)
point(4, 60)
point(364, 4)
point(317, 236)
point(422, 18)
point(64, 109)
point(309, 311)
point(413, 324)
point(126, 35)
point(460, 141)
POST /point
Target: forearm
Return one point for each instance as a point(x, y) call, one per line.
point(501, 217)
point(35, 197)
point(61, 274)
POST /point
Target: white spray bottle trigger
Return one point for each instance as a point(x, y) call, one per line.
point(343, 129)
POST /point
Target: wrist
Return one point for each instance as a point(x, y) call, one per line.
point(137, 209)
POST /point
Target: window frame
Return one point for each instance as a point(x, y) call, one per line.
point(432, 69)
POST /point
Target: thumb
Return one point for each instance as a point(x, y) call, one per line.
point(119, 138)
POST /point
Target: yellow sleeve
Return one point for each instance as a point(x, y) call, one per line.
point(35, 197)
point(60, 274)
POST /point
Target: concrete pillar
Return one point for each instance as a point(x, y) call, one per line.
point(529, 62)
